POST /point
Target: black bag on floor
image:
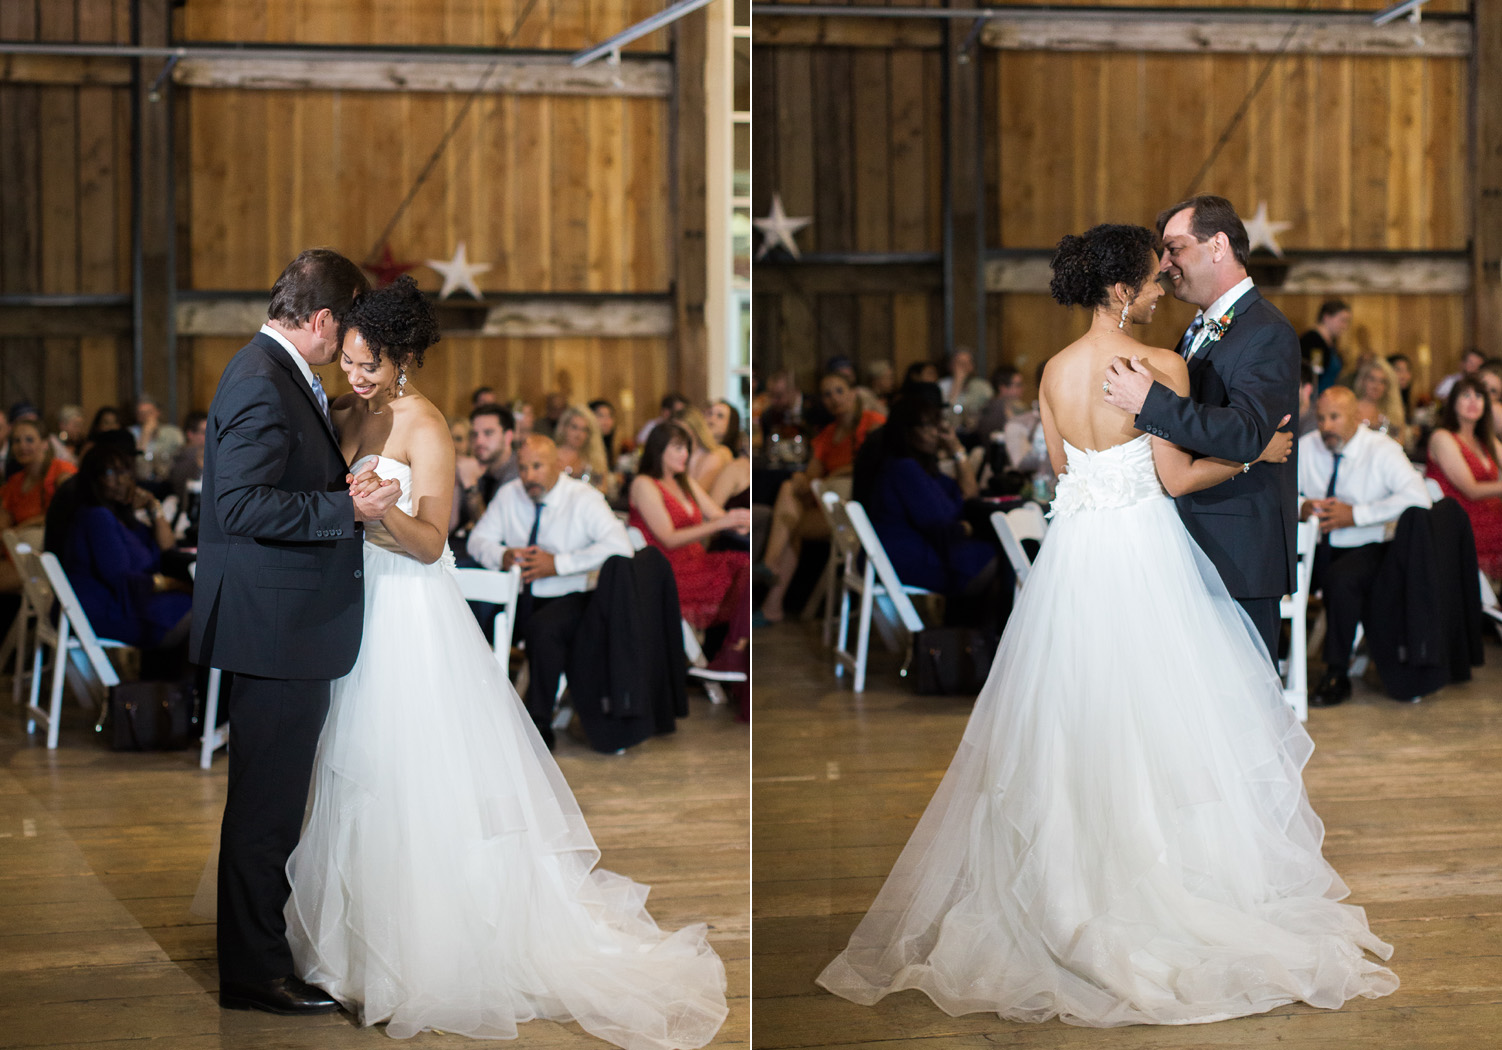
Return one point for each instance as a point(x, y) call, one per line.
point(151, 716)
point(952, 661)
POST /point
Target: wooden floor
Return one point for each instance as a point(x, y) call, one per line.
point(100, 854)
point(1411, 797)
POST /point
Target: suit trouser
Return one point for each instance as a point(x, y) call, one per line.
point(549, 630)
point(1268, 619)
point(276, 728)
point(1345, 575)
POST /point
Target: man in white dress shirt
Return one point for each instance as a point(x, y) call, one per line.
point(559, 530)
point(1357, 482)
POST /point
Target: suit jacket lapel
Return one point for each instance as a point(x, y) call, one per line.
point(278, 353)
point(1240, 308)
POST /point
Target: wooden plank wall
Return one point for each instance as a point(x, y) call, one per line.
point(557, 194)
point(1358, 153)
point(64, 205)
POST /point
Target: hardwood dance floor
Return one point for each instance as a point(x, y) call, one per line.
point(100, 854)
point(1409, 796)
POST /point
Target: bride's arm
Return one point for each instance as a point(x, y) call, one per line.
point(430, 449)
point(1182, 474)
point(1056, 455)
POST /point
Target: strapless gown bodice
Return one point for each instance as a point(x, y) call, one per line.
point(376, 532)
point(1108, 479)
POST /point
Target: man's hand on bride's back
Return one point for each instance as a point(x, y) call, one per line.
point(1280, 446)
point(373, 497)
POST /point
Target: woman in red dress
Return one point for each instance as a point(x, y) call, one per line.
point(1463, 457)
point(26, 495)
point(676, 515)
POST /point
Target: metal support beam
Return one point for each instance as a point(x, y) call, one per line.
point(153, 217)
point(964, 195)
point(1486, 161)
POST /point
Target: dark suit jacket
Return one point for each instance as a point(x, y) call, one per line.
point(1239, 387)
point(278, 592)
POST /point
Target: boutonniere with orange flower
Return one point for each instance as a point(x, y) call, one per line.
point(1217, 326)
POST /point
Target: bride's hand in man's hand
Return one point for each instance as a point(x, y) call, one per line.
point(1280, 446)
point(1127, 384)
point(372, 503)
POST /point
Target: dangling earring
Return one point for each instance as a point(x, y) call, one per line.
point(401, 382)
point(1124, 308)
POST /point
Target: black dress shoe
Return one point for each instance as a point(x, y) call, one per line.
point(1334, 688)
point(284, 995)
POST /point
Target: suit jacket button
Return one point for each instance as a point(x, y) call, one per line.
point(357, 574)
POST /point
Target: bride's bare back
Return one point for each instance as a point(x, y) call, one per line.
point(1072, 400)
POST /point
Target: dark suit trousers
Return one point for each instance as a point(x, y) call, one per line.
point(1268, 621)
point(1345, 575)
point(276, 728)
point(549, 631)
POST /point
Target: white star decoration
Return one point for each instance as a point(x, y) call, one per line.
point(1262, 232)
point(459, 273)
point(778, 229)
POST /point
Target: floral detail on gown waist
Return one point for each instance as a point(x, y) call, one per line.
point(1109, 479)
point(376, 533)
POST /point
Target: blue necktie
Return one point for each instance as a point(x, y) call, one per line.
point(1188, 341)
point(524, 603)
point(1330, 491)
point(323, 399)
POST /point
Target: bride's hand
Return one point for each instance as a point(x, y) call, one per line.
point(1280, 446)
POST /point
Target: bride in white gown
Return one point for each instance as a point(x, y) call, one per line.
point(1123, 836)
point(444, 877)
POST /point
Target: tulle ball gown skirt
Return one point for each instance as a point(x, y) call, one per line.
point(445, 875)
point(1123, 836)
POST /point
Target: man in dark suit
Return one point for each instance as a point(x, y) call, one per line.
point(279, 601)
point(1243, 379)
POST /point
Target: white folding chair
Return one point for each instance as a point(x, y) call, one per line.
point(72, 634)
point(693, 643)
point(1012, 527)
point(20, 629)
point(1295, 609)
point(826, 591)
point(215, 735)
point(499, 589)
point(876, 579)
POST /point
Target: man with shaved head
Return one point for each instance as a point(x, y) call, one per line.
point(1355, 482)
point(559, 530)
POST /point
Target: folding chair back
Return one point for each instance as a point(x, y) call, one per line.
point(500, 589)
point(1295, 609)
point(877, 578)
point(1012, 527)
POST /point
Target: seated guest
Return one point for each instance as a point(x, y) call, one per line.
point(676, 516)
point(882, 383)
point(1379, 403)
point(724, 421)
point(559, 530)
point(965, 392)
point(1307, 380)
point(71, 430)
point(553, 406)
point(581, 449)
point(1490, 375)
point(26, 494)
point(1356, 482)
point(477, 478)
point(114, 561)
point(1463, 456)
point(522, 413)
point(794, 515)
point(157, 441)
point(777, 408)
point(105, 420)
point(666, 409)
point(918, 514)
point(1402, 370)
point(709, 456)
point(1470, 361)
point(187, 465)
point(1320, 345)
point(1005, 405)
point(483, 395)
point(605, 416)
point(459, 432)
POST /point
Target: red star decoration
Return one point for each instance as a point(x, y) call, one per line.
point(387, 269)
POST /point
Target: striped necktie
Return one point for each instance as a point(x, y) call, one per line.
point(323, 399)
point(1187, 346)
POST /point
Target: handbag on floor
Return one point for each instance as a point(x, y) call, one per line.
point(151, 716)
point(952, 661)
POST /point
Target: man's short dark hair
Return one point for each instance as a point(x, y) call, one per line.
point(1331, 307)
point(318, 279)
point(671, 401)
point(501, 413)
point(1306, 374)
point(481, 391)
point(1212, 215)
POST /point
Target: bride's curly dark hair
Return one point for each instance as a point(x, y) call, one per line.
point(397, 322)
point(1086, 266)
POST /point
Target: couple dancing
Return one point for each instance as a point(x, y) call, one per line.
point(444, 875)
point(1123, 835)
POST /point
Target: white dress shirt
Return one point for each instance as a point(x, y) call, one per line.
point(1217, 310)
point(1375, 478)
point(577, 528)
point(302, 364)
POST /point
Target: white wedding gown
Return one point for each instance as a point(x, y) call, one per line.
point(444, 879)
point(1123, 835)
